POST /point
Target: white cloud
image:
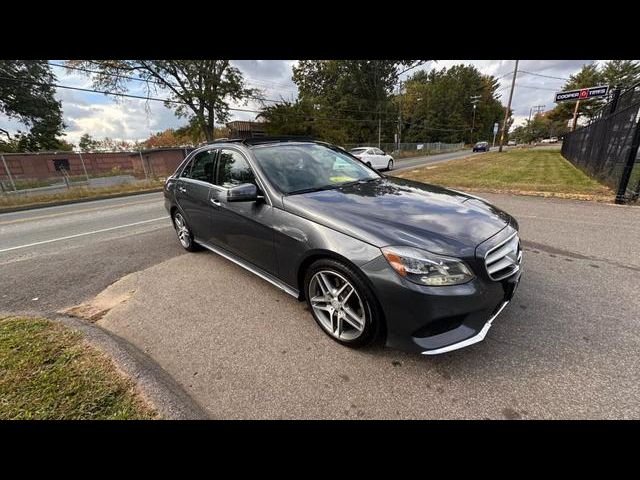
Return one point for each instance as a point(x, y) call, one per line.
point(132, 119)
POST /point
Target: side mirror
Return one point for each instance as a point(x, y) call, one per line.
point(246, 192)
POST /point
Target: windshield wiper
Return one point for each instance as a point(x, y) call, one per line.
point(312, 189)
point(331, 187)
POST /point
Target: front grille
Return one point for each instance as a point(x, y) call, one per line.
point(504, 259)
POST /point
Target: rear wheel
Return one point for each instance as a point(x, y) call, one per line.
point(184, 233)
point(341, 303)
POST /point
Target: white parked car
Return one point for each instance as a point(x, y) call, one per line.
point(373, 157)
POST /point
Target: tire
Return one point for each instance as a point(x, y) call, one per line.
point(185, 237)
point(390, 165)
point(337, 319)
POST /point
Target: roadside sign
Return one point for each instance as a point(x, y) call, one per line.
point(582, 94)
point(420, 146)
point(495, 128)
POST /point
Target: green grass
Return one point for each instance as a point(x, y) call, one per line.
point(528, 171)
point(76, 193)
point(48, 371)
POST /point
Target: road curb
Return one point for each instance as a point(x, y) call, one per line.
point(34, 206)
point(170, 399)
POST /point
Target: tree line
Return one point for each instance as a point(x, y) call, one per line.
point(340, 101)
point(621, 74)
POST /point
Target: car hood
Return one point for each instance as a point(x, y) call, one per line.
point(395, 211)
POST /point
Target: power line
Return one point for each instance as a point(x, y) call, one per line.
point(128, 95)
point(538, 88)
point(126, 77)
point(545, 76)
point(502, 76)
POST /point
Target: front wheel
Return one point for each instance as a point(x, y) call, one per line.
point(342, 304)
point(390, 165)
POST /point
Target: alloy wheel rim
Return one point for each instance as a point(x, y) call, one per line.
point(337, 305)
point(182, 230)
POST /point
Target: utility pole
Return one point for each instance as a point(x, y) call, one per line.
point(506, 113)
point(537, 108)
point(474, 100)
point(399, 114)
point(575, 116)
point(379, 128)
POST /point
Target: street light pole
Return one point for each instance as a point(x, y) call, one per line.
point(474, 100)
point(506, 113)
point(473, 123)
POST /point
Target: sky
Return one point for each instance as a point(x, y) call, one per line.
point(133, 119)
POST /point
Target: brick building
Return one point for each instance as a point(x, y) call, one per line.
point(246, 129)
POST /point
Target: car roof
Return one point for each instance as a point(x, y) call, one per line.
point(259, 141)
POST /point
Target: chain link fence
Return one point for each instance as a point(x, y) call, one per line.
point(44, 173)
point(607, 148)
point(407, 149)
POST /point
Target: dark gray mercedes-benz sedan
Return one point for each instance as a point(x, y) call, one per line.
point(420, 267)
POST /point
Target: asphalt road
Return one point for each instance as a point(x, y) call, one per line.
point(406, 163)
point(567, 347)
point(59, 256)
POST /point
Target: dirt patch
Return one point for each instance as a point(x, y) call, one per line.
point(95, 309)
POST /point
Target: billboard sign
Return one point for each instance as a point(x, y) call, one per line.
point(582, 94)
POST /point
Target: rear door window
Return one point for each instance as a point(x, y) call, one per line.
point(202, 166)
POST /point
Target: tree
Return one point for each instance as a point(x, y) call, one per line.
point(541, 126)
point(344, 100)
point(27, 95)
point(588, 76)
point(199, 90)
point(437, 105)
point(295, 118)
point(615, 73)
point(87, 143)
point(621, 73)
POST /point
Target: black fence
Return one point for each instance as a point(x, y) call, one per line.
point(607, 148)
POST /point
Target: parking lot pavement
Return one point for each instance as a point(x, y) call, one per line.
point(568, 346)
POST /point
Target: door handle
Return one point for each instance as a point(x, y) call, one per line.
point(215, 202)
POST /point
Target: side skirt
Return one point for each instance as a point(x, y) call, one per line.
point(252, 268)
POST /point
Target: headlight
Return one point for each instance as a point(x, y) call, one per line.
point(427, 268)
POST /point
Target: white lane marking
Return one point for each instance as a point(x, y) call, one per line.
point(83, 234)
point(73, 212)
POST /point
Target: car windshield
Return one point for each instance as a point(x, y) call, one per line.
point(309, 167)
point(481, 144)
point(357, 150)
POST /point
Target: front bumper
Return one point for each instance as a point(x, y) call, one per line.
point(434, 320)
